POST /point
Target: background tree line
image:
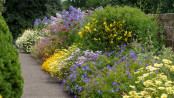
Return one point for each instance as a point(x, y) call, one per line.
point(21, 14)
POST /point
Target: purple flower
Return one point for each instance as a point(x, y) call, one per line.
point(80, 89)
point(95, 83)
point(76, 86)
point(127, 72)
point(67, 87)
point(99, 91)
point(112, 90)
point(83, 68)
point(109, 67)
point(117, 89)
point(130, 77)
point(114, 83)
point(75, 96)
point(72, 90)
point(85, 73)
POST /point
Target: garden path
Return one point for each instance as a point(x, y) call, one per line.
point(38, 84)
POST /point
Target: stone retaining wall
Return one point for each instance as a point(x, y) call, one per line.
point(167, 22)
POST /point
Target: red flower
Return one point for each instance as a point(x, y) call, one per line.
point(69, 24)
point(66, 47)
point(63, 42)
point(72, 19)
point(67, 30)
point(59, 43)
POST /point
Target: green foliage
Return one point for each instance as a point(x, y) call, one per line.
point(21, 14)
point(148, 6)
point(114, 26)
point(11, 81)
point(1, 5)
point(53, 7)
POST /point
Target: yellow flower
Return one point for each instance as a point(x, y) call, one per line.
point(147, 83)
point(169, 90)
point(93, 19)
point(0, 96)
point(140, 39)
point(119, 38)
point(137, 82)
point(112, 42)
point(137, 96)
point(164, 96)
point(104, 23)
point(132, 86)
point(80, 33)
point(156, 57)
point(87, 27)
point(88, 24)
point(129, 35)
point(161, 88)
point(111, 25)
point(166, 61)
point(158, 65)
point(126, 96)
point(143, 93)
point(95, 29)
point(125, 33)
point(172, 68)
point(99, 39)
point(115, 35)
point(158, 82)
point(132, 93)
point(95, 39)
point(125, 39)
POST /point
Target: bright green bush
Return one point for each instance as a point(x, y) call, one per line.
point(114, 26)
point(11, 81)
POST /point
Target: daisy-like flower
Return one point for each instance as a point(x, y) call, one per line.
point(132, 93)
point(158, 82)
point(155, 57)
point(166, 61)
point(158, 65)
point(161, 88)
point(164, 96)
point(126, 96)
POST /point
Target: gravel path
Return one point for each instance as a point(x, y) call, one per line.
point(38, 84)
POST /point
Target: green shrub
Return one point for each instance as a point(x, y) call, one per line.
point(114, 26)
point(11, 81)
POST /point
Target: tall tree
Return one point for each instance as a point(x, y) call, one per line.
point(21, 14)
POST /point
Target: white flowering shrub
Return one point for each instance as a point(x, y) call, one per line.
point(28, 39)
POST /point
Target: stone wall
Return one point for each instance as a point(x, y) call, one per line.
point(167, 23)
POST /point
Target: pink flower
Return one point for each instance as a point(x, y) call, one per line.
point(63, 42)
point(59, 43)
point(66, 47)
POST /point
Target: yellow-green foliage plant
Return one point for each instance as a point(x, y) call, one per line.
point(11, 81)
point(106, 28)
point(56, 63)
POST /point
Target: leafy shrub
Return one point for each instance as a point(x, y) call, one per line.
point(11, 81)
point(114, 26)
point(27, 40)
point(95, 77)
